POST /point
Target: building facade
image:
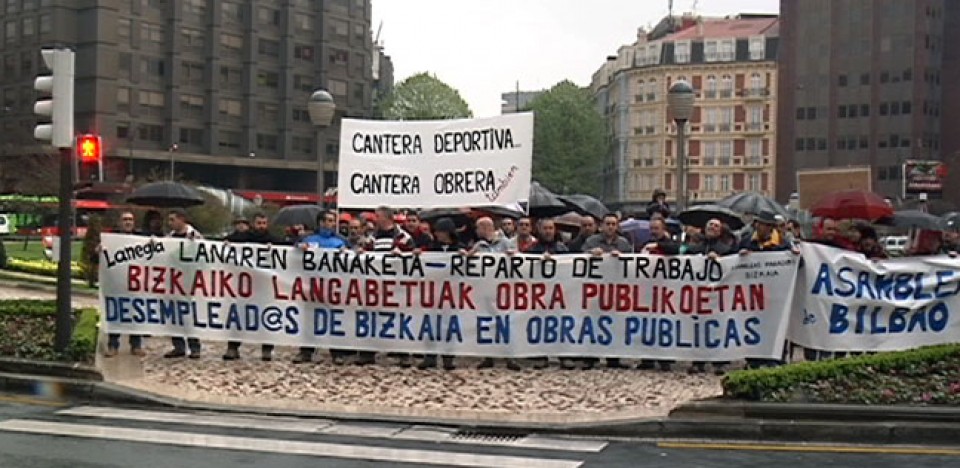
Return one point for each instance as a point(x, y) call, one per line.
point(515, 101)
point(215, 90)
point(731, 63)
point(866, 83)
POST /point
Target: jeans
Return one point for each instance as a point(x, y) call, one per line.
point(113, 341)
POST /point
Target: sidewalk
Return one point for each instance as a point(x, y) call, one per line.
point(549, 396)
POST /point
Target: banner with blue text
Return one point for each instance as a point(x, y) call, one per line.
point(435, 163)
point(846, 302)
point(685, 308)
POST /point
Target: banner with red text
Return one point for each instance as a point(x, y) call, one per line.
point(849, 303)
point(684, 308)
point(435, 163)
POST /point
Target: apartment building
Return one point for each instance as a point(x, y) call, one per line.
point(731, 63)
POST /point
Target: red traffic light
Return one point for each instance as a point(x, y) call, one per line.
point(89, 148)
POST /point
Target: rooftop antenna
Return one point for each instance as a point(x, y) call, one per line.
point(670, 12)
point(376, 39)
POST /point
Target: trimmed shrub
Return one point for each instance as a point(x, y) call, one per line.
point(900, 376)
point(27, 331)
point(42, 267)
point(83, 340)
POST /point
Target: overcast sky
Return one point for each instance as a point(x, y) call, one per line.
point(483, 47)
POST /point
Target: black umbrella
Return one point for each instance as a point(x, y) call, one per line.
point(914, 219)
point(298, 214)
point(752, 202)
point(545, 204)
point(464, 213)
point(951, 221)
point(165, 195)
point(586, 205)
point(699, 215)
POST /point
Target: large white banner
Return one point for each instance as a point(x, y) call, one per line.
point(849, 303)
point(435, 164)
point(685, 308)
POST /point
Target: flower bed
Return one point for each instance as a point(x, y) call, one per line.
point(27, 331)
point(41, 267)
point(928, 375)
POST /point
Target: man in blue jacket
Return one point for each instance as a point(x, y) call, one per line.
point(324, 237)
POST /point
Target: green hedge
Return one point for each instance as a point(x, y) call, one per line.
point(42, 267)
point(37, 318)
point(779, 383)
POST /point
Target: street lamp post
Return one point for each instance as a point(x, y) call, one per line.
point(321, 108)
point(173, 152)
point(680, 99)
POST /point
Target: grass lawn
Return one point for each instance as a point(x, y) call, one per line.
point(34, 249)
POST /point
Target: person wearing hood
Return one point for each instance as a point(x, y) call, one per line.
point(258, 234)
point(324, 237)
point(659, 204)
point(180, 228)
point(717, 241)
point(444, 240)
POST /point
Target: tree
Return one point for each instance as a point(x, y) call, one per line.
point(424, 97)
point(569, 140)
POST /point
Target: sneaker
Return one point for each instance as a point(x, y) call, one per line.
point(195, 355)
point(111, 352)
point(231, 355)
point(666, 367)
point(266, 357)
point(176, 353)
point(513, 365)
point(568, 364)
point(487, 363)
point(646, 365)
point(404, 361)
point(366, 359)
point(448, 364)
point(696, 369)
point(339, 360)
point(427, 364)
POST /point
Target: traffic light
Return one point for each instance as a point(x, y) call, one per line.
point(59, 107)
point(89, 149)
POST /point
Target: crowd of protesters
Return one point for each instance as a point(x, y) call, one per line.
point(387, 230)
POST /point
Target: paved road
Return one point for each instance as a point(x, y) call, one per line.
point(38, 435)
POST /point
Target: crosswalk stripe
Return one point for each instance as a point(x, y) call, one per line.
point(285, 447)
point(240, 422)
point(271, 423)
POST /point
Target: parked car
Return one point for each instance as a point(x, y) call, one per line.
point(895, 246)
point(5, 225)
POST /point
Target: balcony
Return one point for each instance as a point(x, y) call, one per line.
point(726, 94)
point(709, 94)
point(753, 161)
point(709, 128)
point(754, 127)
point(756, 93)
point(724, 127)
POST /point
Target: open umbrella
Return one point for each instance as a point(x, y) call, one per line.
point(298, 214)
point(586, 205)
point(165, 194)
point(752, 202)
point(852, 204)
point(951, 221)
point(545, 204)
point(476, 212)
point(698, 216)
point(914, 219)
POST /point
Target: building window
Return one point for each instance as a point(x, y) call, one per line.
point(841, 143)
point(29, 27)
point(337, 87)
point(195, 9)
point(756, 84)
point(233, 44)
point(123, 131)
point(842, 111)
point(842, 80)
point(811, 144)
point(230, 107)
point(301, 115)
point(191, 136)
point(154, 69)
point(232, 12)
point(757, 51)
point(339, 27)
point(726, 86)
point(755, 118)
point(268, 79)
point(151, 33)
point(800, 113)
point(303, 82)
point(269, 48)
point(652, 90)
point(811, 113)
point(681, 51)
point(191, 105)
point(865, 79)
point(150, 99)
point(822, 144)
point(192, 38)
point(192, 73)
point(852, 111)
point(266, 142)
point(865, 110)
point(709, 184)
point(895, 108)
point(123, 27)
point(798, 144)
point(12, 6)
point(10, 31)
point(268, 112)
point(46, 24)
point(883, 108)
point(710, 153)
point(884, 77)
point(725, 183)
point(359, 90)
point(123, 98)
point(268, 16)
point(149, 132)
point(303, 52)
point(905, 108)
point(230, 77)
point(303, 22)
point(303, 145)
point(229, 139)
point(711, 91)
point(908, 74)
point(753, 182)
point(125, 64)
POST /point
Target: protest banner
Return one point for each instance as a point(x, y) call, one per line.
point(847, 302)
point(435, 164)
point(684, 308)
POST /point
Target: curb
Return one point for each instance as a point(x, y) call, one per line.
point(50, 369)
point(32, 284)
point(719, 408)
point(885, 430)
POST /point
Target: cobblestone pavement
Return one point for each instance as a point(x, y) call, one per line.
point(386, 388)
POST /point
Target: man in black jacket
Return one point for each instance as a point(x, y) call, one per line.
point(260, 234)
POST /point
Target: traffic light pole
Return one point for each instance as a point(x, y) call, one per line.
point(64, 323)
